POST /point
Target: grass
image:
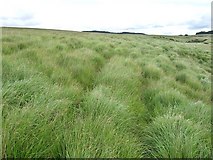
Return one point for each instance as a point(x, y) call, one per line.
point(89, 95)
point(172, 135)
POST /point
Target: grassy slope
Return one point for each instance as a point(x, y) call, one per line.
point(69, 94)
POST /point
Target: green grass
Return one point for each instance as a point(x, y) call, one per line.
point(88, 95)
point(172, 135)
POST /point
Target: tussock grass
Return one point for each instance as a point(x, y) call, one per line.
point(86, 95)
point(187, 78)
point(82, 73)
point(93, 139)
point(32, 137)
point(172, 135)
point(164, 100)
point(180, 66)
point(21, 92)
point(151, 71)
point(197, 111)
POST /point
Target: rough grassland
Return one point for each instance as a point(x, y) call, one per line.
point(70, 94)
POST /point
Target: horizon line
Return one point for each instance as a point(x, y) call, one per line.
point(98, 31)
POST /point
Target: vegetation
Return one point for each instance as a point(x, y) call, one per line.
point(71, 94)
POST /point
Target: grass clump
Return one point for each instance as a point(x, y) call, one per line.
point(121, 74)
point(37, 133)
point(182, 77)
point(151, 72)
point(164, 63)
point(159, 101)
point(91, 139)
point(197, 111)
point(99, 108)
point(188, 79)
point(21, 92)
point(82, 73)
point(172, 135)
point(180, 66)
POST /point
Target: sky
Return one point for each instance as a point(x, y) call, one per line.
point(165, 17)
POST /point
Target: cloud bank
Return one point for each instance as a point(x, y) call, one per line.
point(147, 16)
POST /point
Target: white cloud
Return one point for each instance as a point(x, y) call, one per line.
point(148, 16)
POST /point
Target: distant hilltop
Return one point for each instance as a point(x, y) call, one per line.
point(203, 32)
point(115, 32)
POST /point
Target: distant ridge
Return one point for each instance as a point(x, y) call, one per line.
point(115, 32)
point(203, 32)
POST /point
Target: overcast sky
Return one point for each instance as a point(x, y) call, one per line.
point(171, 17)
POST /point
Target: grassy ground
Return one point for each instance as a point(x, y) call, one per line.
point(70, 94)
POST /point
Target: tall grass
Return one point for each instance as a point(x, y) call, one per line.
point(1, 93)
point(84, 95)
point(172, 135)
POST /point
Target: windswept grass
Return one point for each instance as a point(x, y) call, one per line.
point(172, 135)
point(88, 95)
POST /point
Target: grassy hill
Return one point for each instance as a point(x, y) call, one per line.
point(72, 94)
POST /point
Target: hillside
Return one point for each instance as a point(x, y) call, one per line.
point(203, 32)
point(72, 94)
point(114, 32)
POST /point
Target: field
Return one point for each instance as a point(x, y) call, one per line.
point(77, 94)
